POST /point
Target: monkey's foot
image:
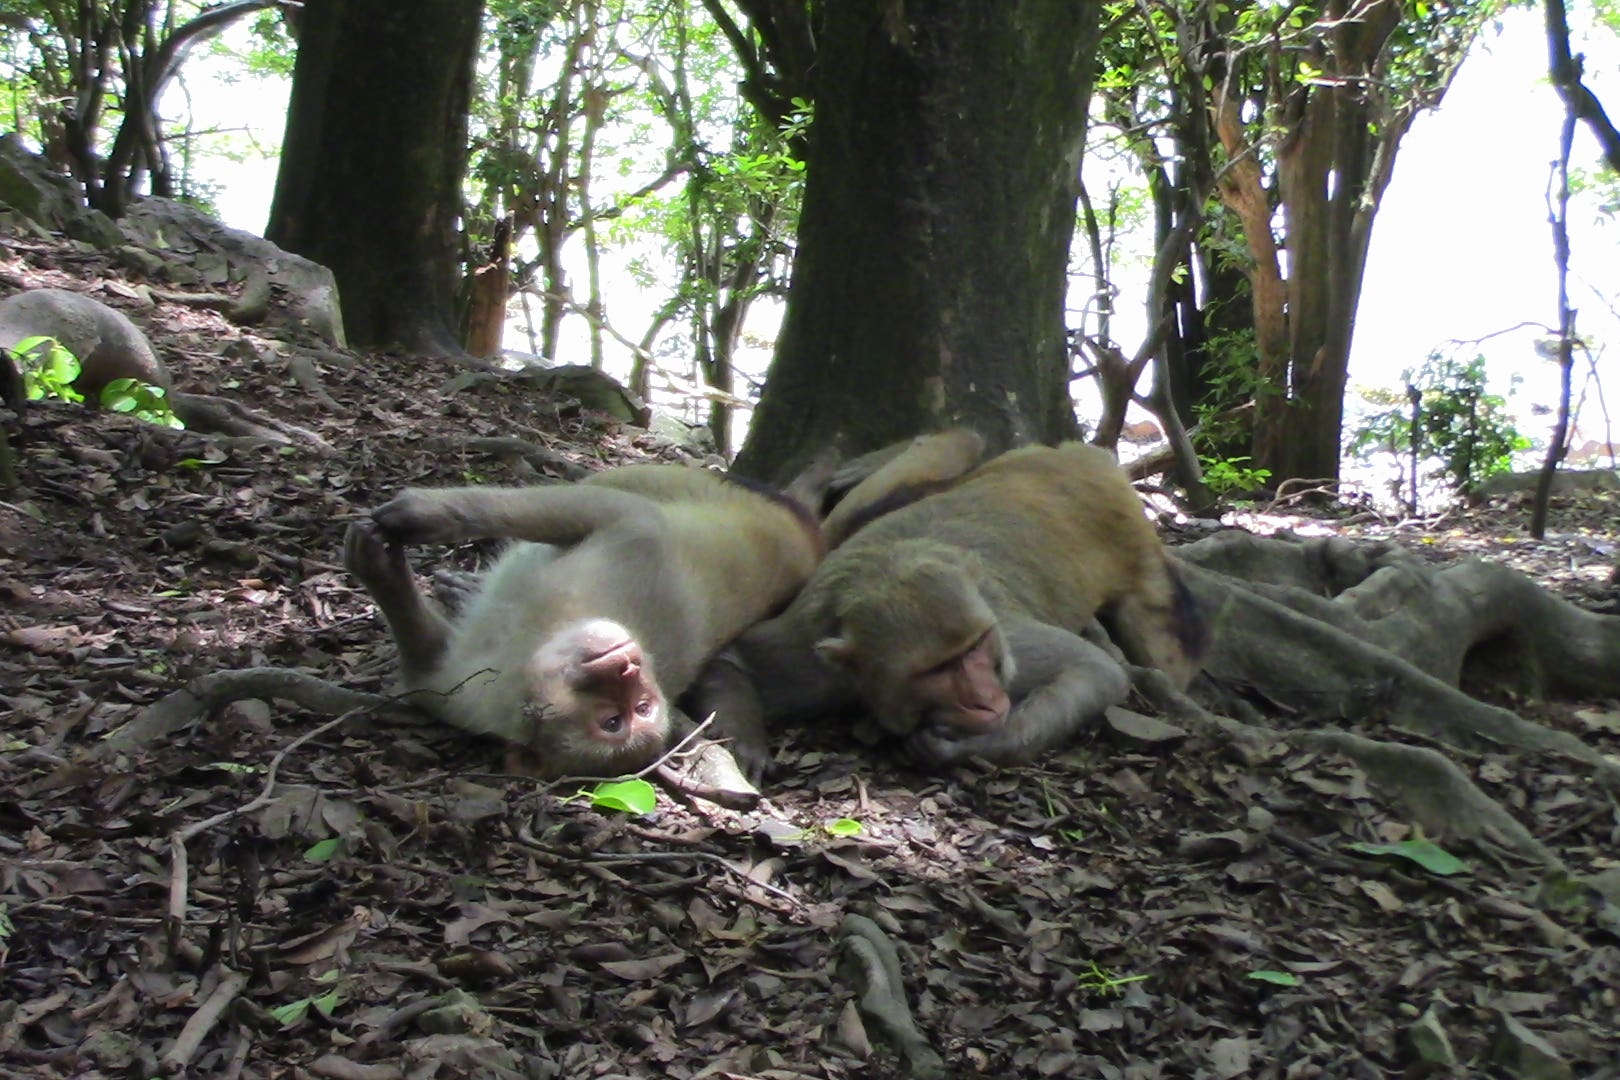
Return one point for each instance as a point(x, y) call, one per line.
point(378, 565)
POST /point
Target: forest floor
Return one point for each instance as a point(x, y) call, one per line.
point(1100, 915)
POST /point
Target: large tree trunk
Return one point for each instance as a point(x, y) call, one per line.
point(934, 239)
point(372, 161)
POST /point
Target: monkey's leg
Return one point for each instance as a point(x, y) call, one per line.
point(420, 631)
point(1061, 682)
point(559, 514)
point(1161, 625)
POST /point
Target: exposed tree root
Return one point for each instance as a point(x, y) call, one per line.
point(221, 416)
point(1440, 796)
point(201, 696)
point(872, 965)
point(1338, 630)
point(510, 448)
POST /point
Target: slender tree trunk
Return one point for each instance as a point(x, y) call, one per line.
point(372, 161)
point(939, 205)
point(489, 287)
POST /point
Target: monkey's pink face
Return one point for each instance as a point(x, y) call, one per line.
point(966, 691)
point(594, 701)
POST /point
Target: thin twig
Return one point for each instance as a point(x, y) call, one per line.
point(178, 865)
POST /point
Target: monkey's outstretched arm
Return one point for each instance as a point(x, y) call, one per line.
point(1061, 682)
point(559, 514)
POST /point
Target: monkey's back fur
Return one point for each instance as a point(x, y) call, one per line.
point(1057, 534)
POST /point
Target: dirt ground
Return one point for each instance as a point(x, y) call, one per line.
point(390, 906)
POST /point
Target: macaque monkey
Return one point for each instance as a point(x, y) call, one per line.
point(956, 620)
point(574, 644)
point(577, 640)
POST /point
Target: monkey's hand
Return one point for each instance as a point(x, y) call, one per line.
point(725, 690)
point(1062, 682)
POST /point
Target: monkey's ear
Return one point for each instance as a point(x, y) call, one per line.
point(836, 652)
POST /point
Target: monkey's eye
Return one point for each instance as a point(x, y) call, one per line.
point(952, 661)
point(611, 723)
point(644, 708)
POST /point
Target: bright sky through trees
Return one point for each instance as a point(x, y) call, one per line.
point(1461, 248)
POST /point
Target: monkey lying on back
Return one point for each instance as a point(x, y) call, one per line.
point(575, 643)
point(956, 619)
point(577, 639)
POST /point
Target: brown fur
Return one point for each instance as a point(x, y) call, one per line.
point(993, 578)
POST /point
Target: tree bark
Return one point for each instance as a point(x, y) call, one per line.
point(372, 161)
point(934, 238)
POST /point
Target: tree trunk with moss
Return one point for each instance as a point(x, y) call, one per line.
point(372, 162)
point(934, 239)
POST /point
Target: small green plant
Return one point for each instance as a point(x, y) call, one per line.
point(48, 369)
point(1227, 475)
point(1444, 419)
point(1105, 983)
point(141, 400)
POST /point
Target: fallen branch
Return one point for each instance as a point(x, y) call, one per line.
point(179, 862)
point(222, 416)
point(178, 1056)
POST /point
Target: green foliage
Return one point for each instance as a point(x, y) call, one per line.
point(141, 400)
point(1275, 978)
point(290, 1014)
point(1426, 853)
point(625, 796)
point(1230, 380)
point(1104, 983)
point(323, 850)
point(47, 368)
point(1228, 476)
point(614, 131)
point(86, 54)
point(844, 827)
point(269, 51)
point(1466, 430)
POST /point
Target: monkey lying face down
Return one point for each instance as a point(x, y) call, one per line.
point(578, 638)
point(956, 619)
